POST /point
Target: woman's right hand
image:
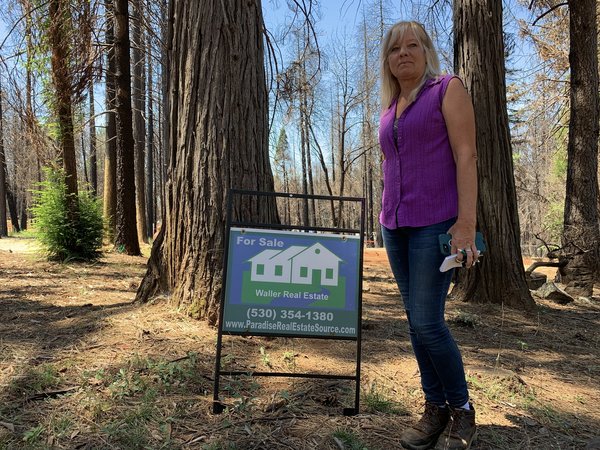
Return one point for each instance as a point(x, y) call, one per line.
point(463, 242)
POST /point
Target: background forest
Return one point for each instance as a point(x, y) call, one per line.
point(324, 103)
point(85, 88)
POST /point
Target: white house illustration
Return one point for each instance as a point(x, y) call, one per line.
point(297, 265)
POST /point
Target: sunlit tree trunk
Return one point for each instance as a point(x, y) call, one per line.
point(110, 155)
point(93, 142)
point(305, 120)
point(301, 77)
point(378, 172)
point(163, 120)
point(217, 139)
point(29, 114)
point(282, 164)
point(326, 177)
point(62, 81)
point(341, 159)
point(92, 118)
point(370, 150)
point(139, 123)
point(161, 163)
point(3, 225)
point(84, 157)
point(346, 103)
point(479, 60)
point(305, 168)
point(150, 211)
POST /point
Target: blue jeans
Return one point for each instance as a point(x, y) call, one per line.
point(415, 259)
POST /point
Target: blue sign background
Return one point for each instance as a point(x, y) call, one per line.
point(244, 307)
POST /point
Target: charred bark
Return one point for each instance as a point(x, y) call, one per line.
point(93, 143)
point(581, 235)
point(126, 237)
point(217, 139)
point(63, 86)
point(12, 208)
point(479, 61)
point(3, 225)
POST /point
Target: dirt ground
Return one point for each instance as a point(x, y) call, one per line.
point(81, 367)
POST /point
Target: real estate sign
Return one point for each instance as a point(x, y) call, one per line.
point(292, 283)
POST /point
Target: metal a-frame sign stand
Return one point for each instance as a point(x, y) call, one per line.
point(286, 280)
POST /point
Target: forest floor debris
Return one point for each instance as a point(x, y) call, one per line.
point(83, 367)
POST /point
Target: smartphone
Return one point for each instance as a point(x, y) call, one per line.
point(445, 241)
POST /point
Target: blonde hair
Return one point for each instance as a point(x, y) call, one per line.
point(390, 88)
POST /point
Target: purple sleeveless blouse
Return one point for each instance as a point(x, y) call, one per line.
point(419, 173)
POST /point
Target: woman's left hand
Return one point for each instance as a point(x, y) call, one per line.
point(463, 242)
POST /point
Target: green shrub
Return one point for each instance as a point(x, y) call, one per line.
point(61, 237)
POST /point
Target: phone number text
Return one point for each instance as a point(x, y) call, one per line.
point(289, 314)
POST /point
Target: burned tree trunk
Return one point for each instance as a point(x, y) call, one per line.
point(3, 225)
point(217, 139)
point(63, 86)
point(479, 60)
point(581, 235)
point(126, 237)
point(110, 155)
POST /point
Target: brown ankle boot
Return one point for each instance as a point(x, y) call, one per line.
point(426, 431)
point(460, 431)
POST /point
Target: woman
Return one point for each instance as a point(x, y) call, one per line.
point(427, 135)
